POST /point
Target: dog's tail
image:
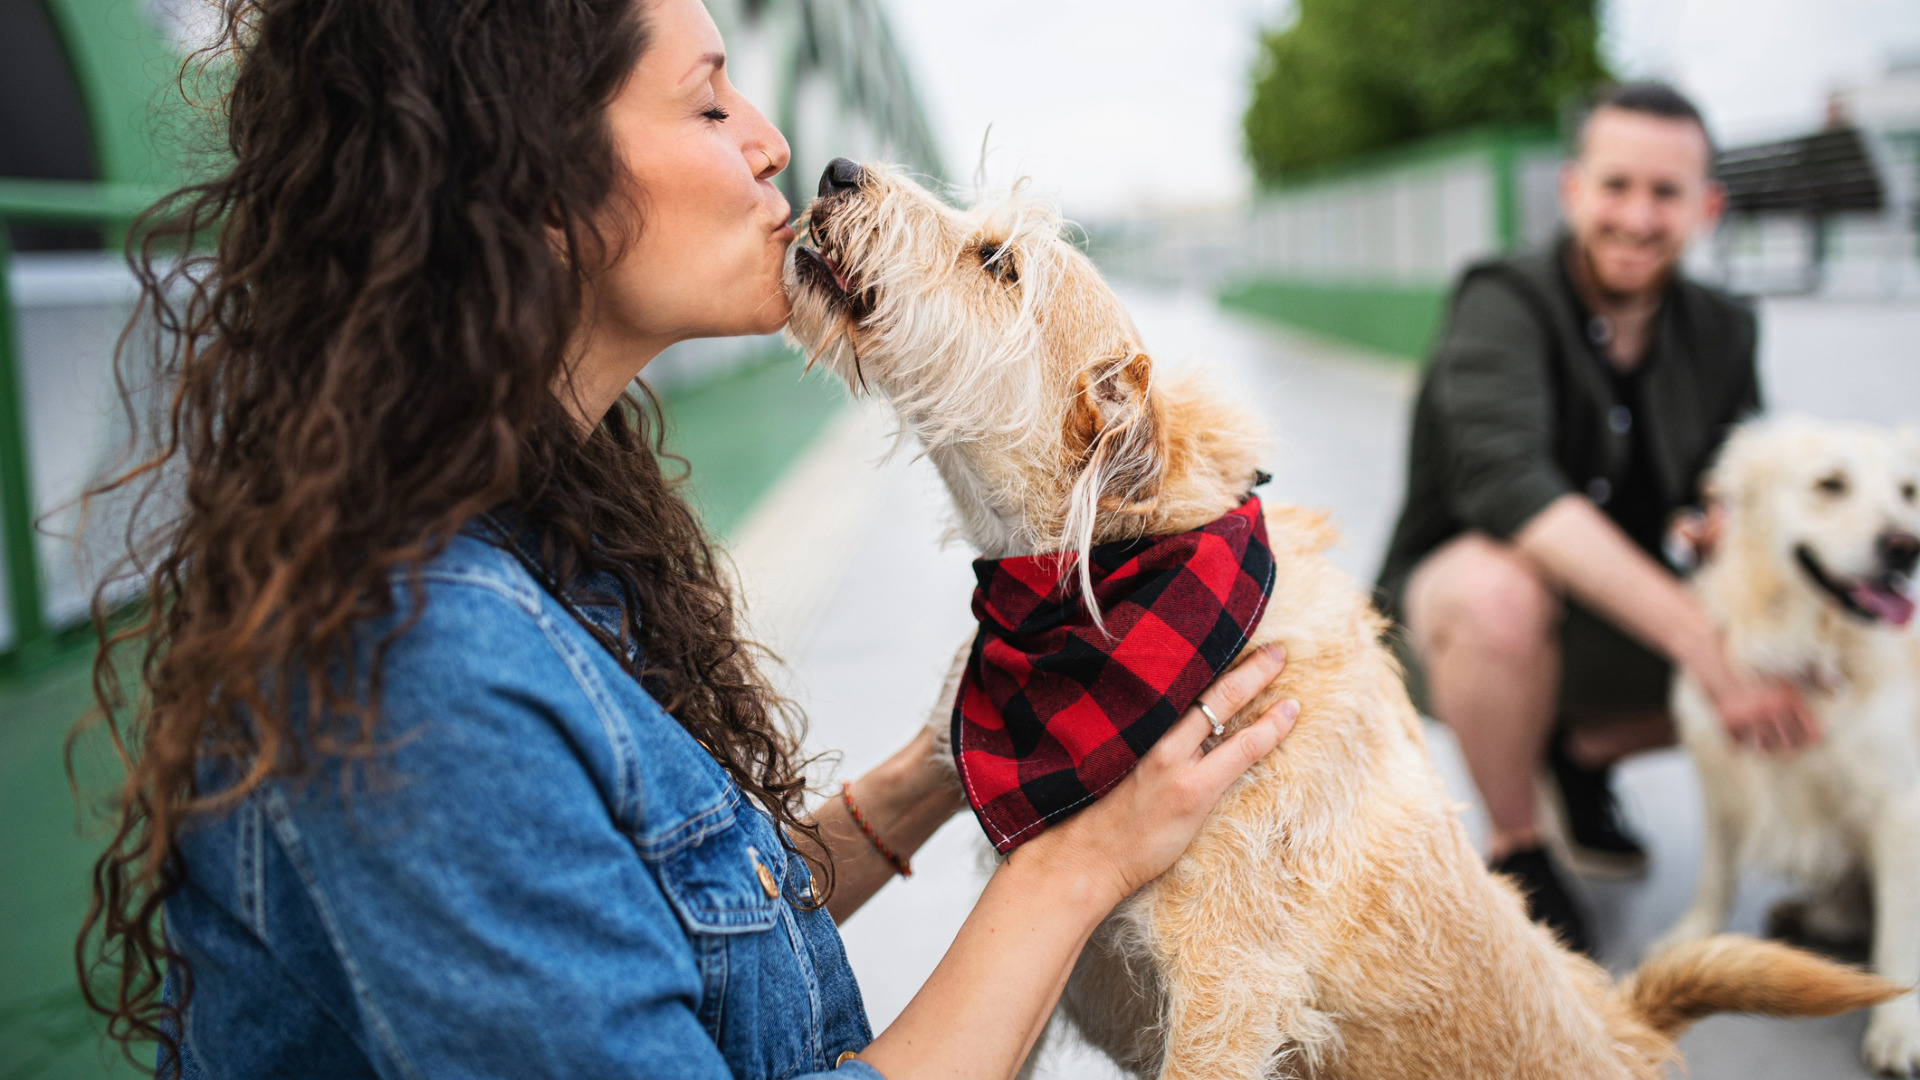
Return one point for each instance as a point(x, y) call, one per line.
point(1731, 973)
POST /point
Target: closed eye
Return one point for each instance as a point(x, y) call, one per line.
point(1835, 484)
point(998, 261)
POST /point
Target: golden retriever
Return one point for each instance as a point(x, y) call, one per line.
point(1331, 919)
point(1810, 582)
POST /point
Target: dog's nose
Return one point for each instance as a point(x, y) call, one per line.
point(840, 175)
point(1900, 550)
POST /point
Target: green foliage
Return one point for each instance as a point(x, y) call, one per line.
point(1350, 76)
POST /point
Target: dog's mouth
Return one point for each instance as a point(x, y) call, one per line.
point(819, 267)
point(1883, 598)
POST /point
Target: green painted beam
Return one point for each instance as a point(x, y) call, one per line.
point(1399, 320)
point(1504, 161)
point(1425, 152)
point(129, 76)
point(74, 202)
point(24, 605)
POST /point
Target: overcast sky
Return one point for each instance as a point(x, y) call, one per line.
point(1119, 106)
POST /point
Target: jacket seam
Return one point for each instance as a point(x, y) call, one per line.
point(619, 737)
point(288, 834)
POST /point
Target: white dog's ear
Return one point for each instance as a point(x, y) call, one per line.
point(1747, 469)
point(1906, 440)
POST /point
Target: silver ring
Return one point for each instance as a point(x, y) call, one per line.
point(1218, 727)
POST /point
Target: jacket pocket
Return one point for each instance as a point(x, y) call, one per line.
point(718, 884)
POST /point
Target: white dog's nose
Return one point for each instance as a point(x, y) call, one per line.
point(1899, 550)
point(840, 175)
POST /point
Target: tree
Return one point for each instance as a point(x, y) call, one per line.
point(1355, 75)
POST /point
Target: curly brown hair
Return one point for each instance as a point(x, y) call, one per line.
point(361, 357)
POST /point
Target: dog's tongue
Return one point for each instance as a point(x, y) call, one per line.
point(839, 278)
point(1885, 604)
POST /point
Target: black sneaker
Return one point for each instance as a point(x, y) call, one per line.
point(1548, 901)
point(1583, 820)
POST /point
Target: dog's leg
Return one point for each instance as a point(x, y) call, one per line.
point(1234, 1001)
point(1893, 1035)
point(1842, 913)
point(1713, 896)
point(1113, 998)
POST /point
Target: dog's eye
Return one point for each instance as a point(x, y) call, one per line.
point(1835, 484)
point(1908, 491)
point(999, 262)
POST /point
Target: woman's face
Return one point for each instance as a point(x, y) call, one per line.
point(712, 232)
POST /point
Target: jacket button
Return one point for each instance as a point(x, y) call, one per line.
point(1620, 419)
point(1599, 490)
point(767, 883)
point(845, 1056)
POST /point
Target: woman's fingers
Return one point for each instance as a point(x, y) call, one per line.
point(1226, 696)
point(1224, 764)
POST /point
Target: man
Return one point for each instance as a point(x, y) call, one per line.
point(1572, 403)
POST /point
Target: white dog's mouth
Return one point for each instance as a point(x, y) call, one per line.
point(823, 273)
point(820, 268)
point(1884, 598)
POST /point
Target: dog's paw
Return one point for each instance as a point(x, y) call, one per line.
point(1893, 1037)
point(942, 755)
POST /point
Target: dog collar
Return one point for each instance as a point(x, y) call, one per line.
point(1052, 710)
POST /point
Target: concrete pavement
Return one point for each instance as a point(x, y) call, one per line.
point(848, 579)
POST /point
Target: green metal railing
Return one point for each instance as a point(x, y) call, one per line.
point(111, 208)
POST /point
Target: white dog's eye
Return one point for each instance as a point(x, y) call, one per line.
point(998, 261)
point(1907, 491)
point(1835, 484)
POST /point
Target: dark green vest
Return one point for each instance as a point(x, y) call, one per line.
point(1514, 409)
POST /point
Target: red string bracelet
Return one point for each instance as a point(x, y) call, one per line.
point(900, 865)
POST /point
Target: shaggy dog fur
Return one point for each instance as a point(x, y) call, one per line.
point(1820, 516)
point(1331, 918)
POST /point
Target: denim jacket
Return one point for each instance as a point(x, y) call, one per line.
point(544, 876)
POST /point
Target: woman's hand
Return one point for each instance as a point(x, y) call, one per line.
point(987, 1002)
point(1134, 832)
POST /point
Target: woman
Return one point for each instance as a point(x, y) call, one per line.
point(446, 760)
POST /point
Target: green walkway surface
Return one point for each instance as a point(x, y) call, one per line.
point(739, 432)
point(45, 1029)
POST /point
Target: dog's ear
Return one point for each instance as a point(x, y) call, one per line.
point(1116, 435)
point(1748, 472)
point(1906, 443)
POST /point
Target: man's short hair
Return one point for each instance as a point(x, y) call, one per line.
point(1647, 99)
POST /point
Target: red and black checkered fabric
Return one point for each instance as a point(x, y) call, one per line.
point(1052, 712)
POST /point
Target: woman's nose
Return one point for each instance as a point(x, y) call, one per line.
point(840, 175)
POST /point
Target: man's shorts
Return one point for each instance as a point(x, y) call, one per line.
point(1603, 672)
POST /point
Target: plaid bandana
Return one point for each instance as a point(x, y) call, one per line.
point(1052, 712)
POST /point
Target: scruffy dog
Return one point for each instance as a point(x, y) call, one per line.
point(1810, 582)
point(1331, 919)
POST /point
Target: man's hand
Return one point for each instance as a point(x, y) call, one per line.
point(1763, 712)
point(1694, 534)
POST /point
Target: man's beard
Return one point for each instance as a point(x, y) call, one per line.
point(1584, 254)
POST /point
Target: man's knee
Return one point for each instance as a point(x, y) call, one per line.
point(1478, 593)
